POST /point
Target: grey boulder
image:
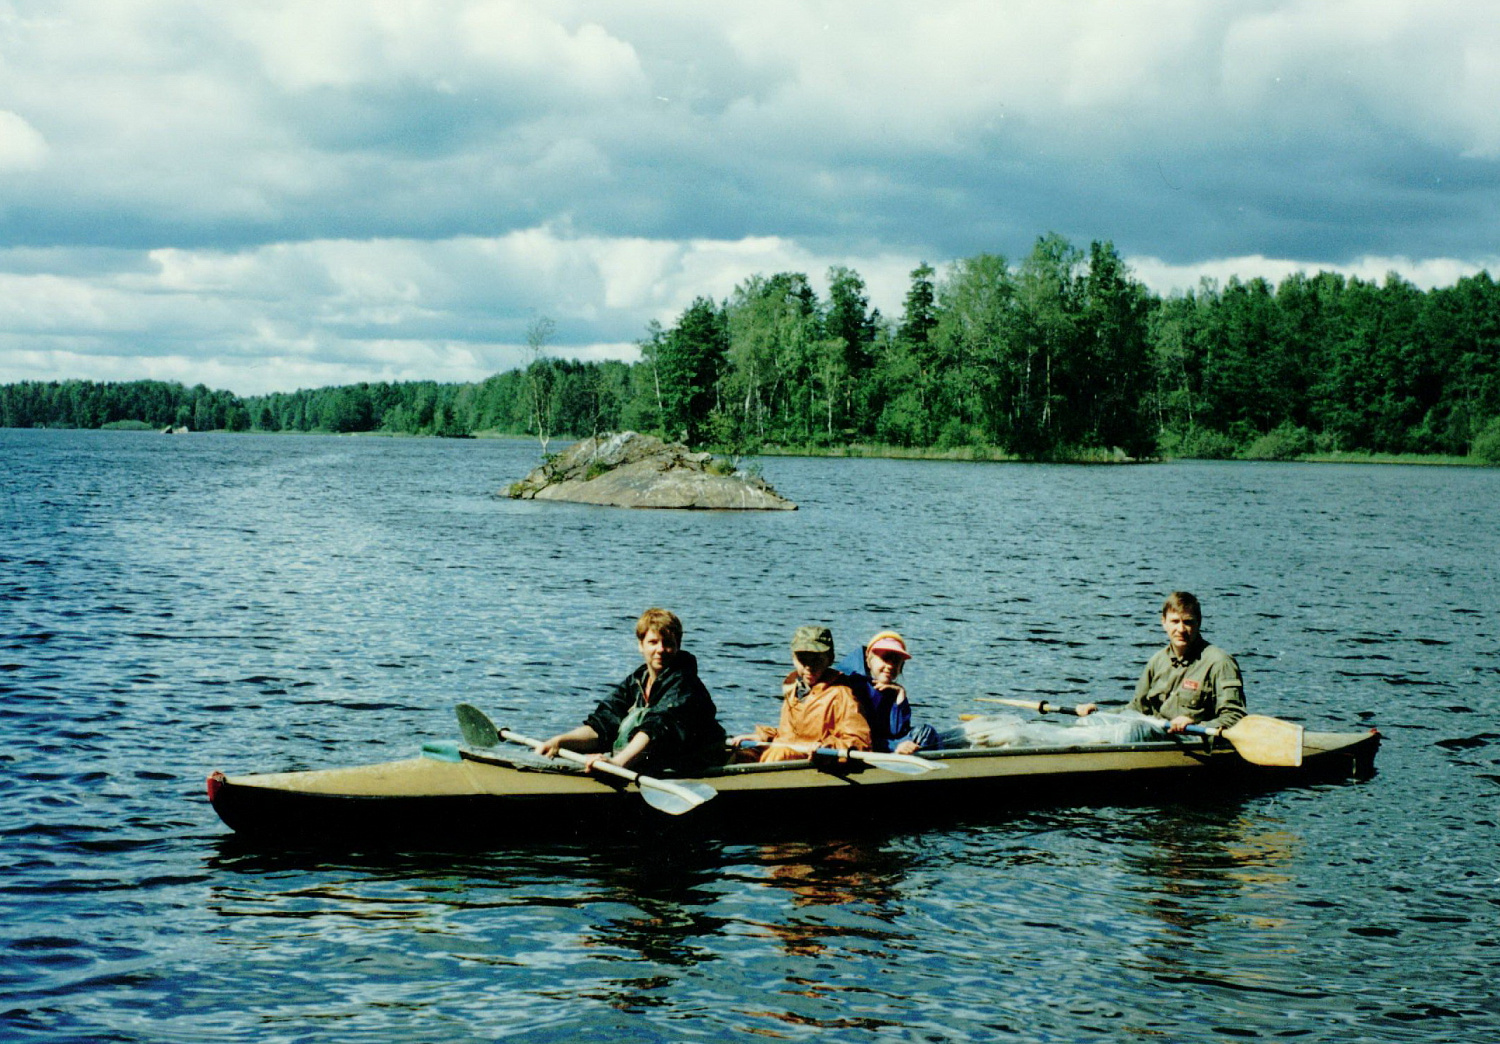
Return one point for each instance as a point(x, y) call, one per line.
point(628, 469)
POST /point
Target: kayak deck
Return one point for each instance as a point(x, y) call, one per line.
point(486, 794)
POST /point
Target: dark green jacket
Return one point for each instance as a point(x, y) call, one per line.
point(1204, 686)
point(681, 718)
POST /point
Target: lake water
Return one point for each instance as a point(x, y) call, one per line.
point(174, 605)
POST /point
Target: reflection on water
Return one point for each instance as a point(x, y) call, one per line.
point(168, 606)
point(842, 894)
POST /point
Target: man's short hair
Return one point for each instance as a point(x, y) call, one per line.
point(1183, 603)
point(663, 623)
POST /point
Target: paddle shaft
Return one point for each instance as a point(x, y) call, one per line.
point(1259, 739)
point(690, 794)
point(905, 764)
point(581, 759)
point(1043, 707)
point(1040, 706)
point(478, 728)
point(672, 798)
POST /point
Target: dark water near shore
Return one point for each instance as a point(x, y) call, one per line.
point(173, 605)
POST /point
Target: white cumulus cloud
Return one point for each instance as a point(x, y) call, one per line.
point(359, 189)
point(21, 146)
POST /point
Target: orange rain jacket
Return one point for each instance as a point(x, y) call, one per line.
point(828, 716)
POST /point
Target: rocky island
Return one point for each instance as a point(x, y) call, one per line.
point(628, 469)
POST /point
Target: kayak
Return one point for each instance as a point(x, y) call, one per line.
point(477, 796)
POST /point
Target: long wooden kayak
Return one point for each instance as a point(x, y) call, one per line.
point(476, 795)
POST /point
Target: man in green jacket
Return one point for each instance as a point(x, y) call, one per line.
point(1189, 682)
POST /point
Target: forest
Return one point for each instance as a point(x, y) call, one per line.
point(1063, 355)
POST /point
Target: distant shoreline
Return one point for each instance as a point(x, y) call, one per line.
point(963, 454)
point(985, 455)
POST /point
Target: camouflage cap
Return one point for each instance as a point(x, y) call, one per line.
point(813, 640)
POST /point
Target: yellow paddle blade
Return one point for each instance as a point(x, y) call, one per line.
point(1263, 740)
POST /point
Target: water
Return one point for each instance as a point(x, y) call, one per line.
point(173, 605)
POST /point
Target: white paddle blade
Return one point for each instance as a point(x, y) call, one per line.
point(904, 764)
point(702, 791)
point(674, 798)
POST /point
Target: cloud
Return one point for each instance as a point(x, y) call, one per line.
point(354, 183)
point(347, 310)
point(1165, 279)
point(21, 147)
point(304, 314)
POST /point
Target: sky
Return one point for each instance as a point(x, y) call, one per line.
point(264, 196)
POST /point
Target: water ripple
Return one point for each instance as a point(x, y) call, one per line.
point(168, 606)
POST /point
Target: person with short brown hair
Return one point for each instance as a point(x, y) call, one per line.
point(1190, 682)
point(660, 620)
point(660, 717)
point(1184, 603)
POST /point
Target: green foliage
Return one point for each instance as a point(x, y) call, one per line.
point(541, 382)
point(686, 364)
point(85, 404)
point(921, 307)
point(727, 434)
point(854, 326)
point(1063, 356)
point(1285, 442)
point(980, 355)
point(1195, 443)
point(1365, 367)
point(903, 421)
point(1114, 371)
point(1486, 447)
point(955, 433)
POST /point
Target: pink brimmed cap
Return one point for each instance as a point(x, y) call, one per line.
point(889, 642)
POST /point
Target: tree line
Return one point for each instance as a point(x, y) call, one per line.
point(146, 404)
point(1062, 355)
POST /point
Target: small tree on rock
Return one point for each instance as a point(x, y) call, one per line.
point(540, 377)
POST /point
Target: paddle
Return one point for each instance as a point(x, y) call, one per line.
point(477, 728)
point(904, 764)
point(1261, 740)
point(1258, 738)
point(1040, 706)
point(664, 795)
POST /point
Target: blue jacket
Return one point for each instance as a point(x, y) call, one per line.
point(889, 713)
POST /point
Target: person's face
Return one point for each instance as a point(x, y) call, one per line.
point(885, 666)
point(657, 650)
point(810, 666)
point(1182, 630)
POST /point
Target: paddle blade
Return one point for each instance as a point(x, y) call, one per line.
point(702, 791)
point(475, 724)
point(904, 764)
point(674, 798)
point(1040, 706)
point(1263, 740)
